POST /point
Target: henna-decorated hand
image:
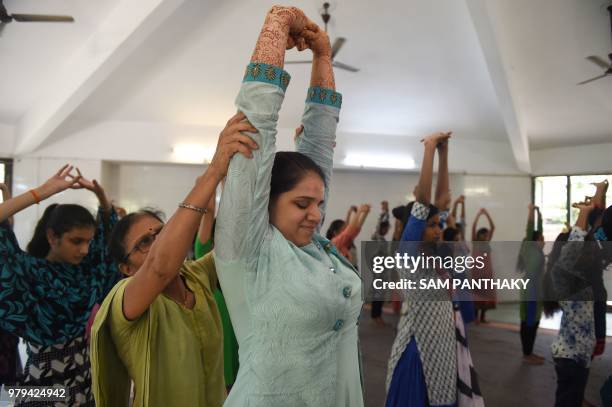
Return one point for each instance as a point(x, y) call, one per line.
point(317, 41)
point(295, 18)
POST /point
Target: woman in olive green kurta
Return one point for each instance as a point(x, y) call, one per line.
point(161, 326)
point(172, 353)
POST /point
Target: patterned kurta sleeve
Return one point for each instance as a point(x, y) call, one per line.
point(98, 265)
point(413, 231)
point(47, 302)
point(320, 120)
point(567, 279)
point(242, 220)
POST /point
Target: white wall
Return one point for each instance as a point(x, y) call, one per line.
point(162, 186)
point(137, 185)
point(586, 159)
point(153, 142)
point(7, 140)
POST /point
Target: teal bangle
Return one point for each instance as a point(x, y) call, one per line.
point(324, 96)
point(260, 72)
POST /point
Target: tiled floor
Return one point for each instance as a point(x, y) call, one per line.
point(496, 350)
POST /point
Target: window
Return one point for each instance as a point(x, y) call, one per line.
point(550, 195)
point(554, 195)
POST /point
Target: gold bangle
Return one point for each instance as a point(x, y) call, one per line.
point(185, 205)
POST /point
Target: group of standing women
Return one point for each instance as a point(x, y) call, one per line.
point(293, 296)
point(294, 300)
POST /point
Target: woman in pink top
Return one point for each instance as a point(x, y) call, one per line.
point(344, 240)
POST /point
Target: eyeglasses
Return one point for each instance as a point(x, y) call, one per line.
point(143, 245)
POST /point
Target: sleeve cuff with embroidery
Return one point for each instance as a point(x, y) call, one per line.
point(324, 96)
point(419, 211)
point(260, 72)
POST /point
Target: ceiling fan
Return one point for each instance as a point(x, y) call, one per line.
point(338, 43)
point(601, 62)
point(6, 18)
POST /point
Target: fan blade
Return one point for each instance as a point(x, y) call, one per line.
point(337, 45)
point(344, 66)
point(298, 62)
point(4, 16)
point(28, 18)
point(599, 61)
point(593, 79)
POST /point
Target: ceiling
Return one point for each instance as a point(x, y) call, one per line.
point(32, 54)
point(544, 46)
point(406, 86)
point(422, 67)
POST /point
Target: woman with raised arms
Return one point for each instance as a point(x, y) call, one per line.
point(293, 299)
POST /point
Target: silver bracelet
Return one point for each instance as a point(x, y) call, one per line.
point(193, 208)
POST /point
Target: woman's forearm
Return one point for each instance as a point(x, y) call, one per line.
point(206, 225)
point(14, 205)
point(322, 74)
point(454, 210)
point(272, 41)
point(423, 193)
point(442, 186)
point(169, 250)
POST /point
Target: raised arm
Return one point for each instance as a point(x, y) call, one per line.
point(442, 198)
point(362, 214)
point(455, 205)
point(599, 199)
point(423, 189)
point(571, 251)
point(413, 230)
point(243, 217)
point(206, 224)
point(491, 224)
point(459, 201)
point(350, 214)
point(475, 223)
point(60, 181)
point(168, 252)
point(322, 109)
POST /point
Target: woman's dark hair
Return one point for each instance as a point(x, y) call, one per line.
point(550, 305)
point(334, 228)
point(288, 169)
point(402, 213)
point(450, 234)
point(383, 225)
point(116, 249)
point(60, 219)
point(481, 232)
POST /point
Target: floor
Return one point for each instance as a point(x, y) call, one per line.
point(496, 351)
